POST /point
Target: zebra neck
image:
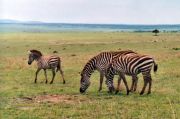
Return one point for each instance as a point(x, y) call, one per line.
point(39, 59)
point(89, 68)
point(89, 72)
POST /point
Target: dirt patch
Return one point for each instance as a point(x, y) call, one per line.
point(57, 99)
point(23, 100)
point(67, 99)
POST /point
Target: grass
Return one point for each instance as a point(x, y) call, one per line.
point(75, 48)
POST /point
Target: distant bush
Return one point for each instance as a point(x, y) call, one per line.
point(73, 55)
point(155, 31)
point(55, 51)
point(176, 48)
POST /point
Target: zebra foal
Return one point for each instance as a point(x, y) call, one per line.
point(45, 62)
point(131, 65)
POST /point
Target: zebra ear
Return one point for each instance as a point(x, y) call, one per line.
point(29, 52)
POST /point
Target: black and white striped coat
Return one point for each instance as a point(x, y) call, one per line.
point(131, 65)
point(46, 62)
point(100, 63)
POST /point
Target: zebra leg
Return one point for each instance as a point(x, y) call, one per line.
point(62, 74)
point(118, 85)
point(150, 83)
point(45, 75)
point(109, 83)
point(135, 83)
point(125, 82)
point(53, 72)
point(145, 84)
point(101, 81)
point(132, 85)
point(36, 75)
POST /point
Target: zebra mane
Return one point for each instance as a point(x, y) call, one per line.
point(36, 52)
point(89, 66)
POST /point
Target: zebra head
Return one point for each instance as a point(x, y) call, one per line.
point(110, 85)
point(84, 83)
point(109, 74)
point(33, 55)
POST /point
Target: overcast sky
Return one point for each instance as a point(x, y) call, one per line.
point(93, 11)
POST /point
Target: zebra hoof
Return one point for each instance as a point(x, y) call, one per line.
point(116, 92)
point(110, 92)
point(64, 82)
point(51, 82)
point(127, 92)
point(111, 89)
point(99, 89)
point(141, 93)
point(149, 93)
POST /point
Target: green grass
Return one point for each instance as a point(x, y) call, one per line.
point(17, 77)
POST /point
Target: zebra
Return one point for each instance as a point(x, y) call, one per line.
point(131, 65)
point(45, 62)
point(99, 63)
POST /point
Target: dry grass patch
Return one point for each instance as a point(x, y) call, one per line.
point(15, 62)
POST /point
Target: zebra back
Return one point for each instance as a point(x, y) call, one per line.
point(133, 63)
point(102, 60)
point(98, 62)
point(47, 62)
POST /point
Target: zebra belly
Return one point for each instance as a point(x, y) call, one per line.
point(46, 67)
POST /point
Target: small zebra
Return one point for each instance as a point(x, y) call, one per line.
point(100, 63)
point(131, 65)
point(46, 62)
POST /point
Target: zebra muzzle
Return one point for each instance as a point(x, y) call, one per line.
point(81, 90)
point(29, 63)
point(111, 89)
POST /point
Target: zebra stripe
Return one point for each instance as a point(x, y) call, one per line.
point(46, 62)
point(131, 64)
point(100, 63)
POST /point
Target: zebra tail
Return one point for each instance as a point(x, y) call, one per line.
point(155, 67)
point(58, 66)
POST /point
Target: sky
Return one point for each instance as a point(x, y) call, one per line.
point(93, 11)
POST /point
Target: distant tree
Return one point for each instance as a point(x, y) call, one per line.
point(155, 31)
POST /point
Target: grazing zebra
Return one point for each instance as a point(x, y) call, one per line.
point(131, 65)
point(100, 63)
point(46, 62)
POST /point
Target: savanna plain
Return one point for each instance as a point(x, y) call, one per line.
point(21, 98)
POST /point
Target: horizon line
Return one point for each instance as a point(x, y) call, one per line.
point(16, 21)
